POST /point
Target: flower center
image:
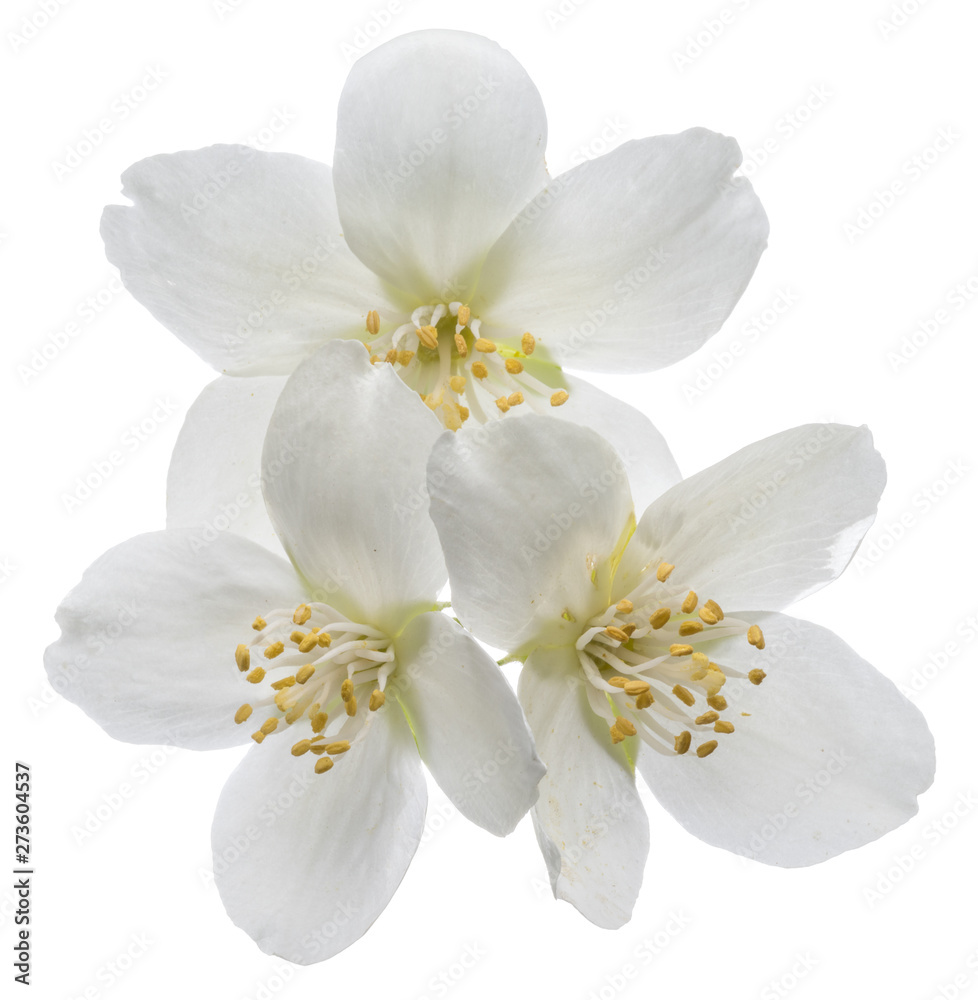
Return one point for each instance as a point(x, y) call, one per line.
point(316, 669)
point(646, 676)
point(457, 372)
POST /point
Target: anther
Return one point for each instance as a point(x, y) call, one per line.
point(258, 736)
point(340, 746)
point(717, 701)
point(723, 727)
point(756, 676)
point(301, 747)
point(559, 398)
point(618, 682)
point(319, 721)
point(272, 651)
point(705, 749)
point(644, 700)
point(428, 336)
point(706, 718)
point(242, 714)
point(377, 698)
point(708, 616)
point(457, 382)
point(351, 706)
point(662, 573)
point(461, 346)
point(484, 346)
point(464, 315)
point(715, 608)
point(242, 656)
point(405, 357)
point(346, 689)
point(658, 618)
point(303, 612)
point(690, 628)
point(636, 687)
point(624, 607)
point(256, 676)
point(625, 726)
point(323, 764)
point(683, 695)
point(323, 638)
point(513, 366)
point(613, 632)
point(689, 604)
point(683, 741)
point(308, 642)
point(755, 636)
point(304, 673)
point(391, 356)
point(503, 403)
point(479, 370)
point(528, 343)
point(285, 682)
point(616, 734)
point(259, 623)
point(373, 322)
point(678, 649)
point(269, 726)
point(515, 398)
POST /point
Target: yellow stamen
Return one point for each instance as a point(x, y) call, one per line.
point(340, 746)
point(715, 608)
point(461, 346)
point(293, 714)
point(272, 651)
point(256, 676)
point(304, 673)
point(484, 346)
point(285, 682)
point(559, 398)
point(308, 642)
point(373, 323)
point(756, 676)
point(323, 764)
point(464, 315)
point(405, 357)
point(662, 573)
point(689, 604)
point(351, 707)
point(457, 382)
point(513, 366)
point(319, 720)
point(658, 618)
point(626, 726)
point(323, 639)
point(678, 649)
point(690, 628)
point(755, 636)
point(618, 682)
point(624, 606)
point(717, 701)
point(479, 370)
point(428, 336)
point(707, 615)
point(683, 741)
point(302, 613)
point(613, 632)
point(515, 398)
point(683, 695)
point(258, 736)
point(463, 413)
point(242, 656)
point(259, 623)
point(528, 343)
point(301, 747)
point(628, 628)
point(503, 403)
point(636, 687)
point(705, 749)
point(391, 356)
point(644, 700)
point(346, 689)
point(723, 727)
point(242, 714)
point(269, 726)
point(377, 698)
point(706, 718)
point(616, 734)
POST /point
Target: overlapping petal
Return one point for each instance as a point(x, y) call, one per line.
point(830, 756)
point(240, 254)
point(630, 261)
point(308, 882)
point(528, 509)
point(590, 824)
point(148, 636)
point(350, 509)
point(467, 722)
point(439, 143)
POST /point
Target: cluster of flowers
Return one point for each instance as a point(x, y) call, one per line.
point(392, 334)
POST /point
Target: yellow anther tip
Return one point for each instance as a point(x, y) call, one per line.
point(559, 398)
point(662, 573)
point(705, 749)
point(323, 764)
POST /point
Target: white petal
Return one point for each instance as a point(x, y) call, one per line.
point(589, 821)
point(830, 757)
point(630, 261)
point(467, 722)
point(527, 509)
point(439, 143)
point(772, 523)
point(214, 482)
point(350, 509)
point(240, 254)
point(649, 464)
point(307, 876)
point(148, 636)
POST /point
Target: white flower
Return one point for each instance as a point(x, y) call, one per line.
point(439, 240)
point(646, 644)
point(334, 662)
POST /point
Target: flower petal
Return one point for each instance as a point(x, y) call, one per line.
point(309, 885)
point(351, 509)
point(439, 143)
point(240, 254)
point(467, 722)
point(148, 636)
point(589, 821)
point(649, 464)
point(771, 523)
point(630, 261)
point(830, 757)
point(214, 482)
point(527, 508)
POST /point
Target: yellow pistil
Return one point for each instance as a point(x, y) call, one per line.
point(464, 315)
point(484, 346)
point(690, 628)
point(242, 656)
point(705, 749)
point(559, 398)
point(428, 336)
point(723, 727)
point(373, 323)
point(756, 675)
point(256, 676)
point(689, 603)
point(683, 695)
point(528, 343)
point(659, 618)
point(259, 623)
point(274, 650)
point(323, 764)
point(242, 714)
point(377, 698)
point(755, 636)
point(683, 741)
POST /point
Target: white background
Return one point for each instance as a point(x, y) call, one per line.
point(127, 910)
